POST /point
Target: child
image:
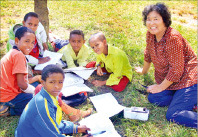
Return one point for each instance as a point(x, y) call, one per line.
point(15, 91)
point(114, 60)
point(76, 52)
point(56, 42)
point(73, 114)
point(42, 115)
point(31, 21)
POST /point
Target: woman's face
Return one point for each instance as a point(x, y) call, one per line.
point(155, 24)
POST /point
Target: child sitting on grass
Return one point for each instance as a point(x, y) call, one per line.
point(114, 61)
point(31, 20)
point(42, 115)
point(76, 52)
point(15, 92)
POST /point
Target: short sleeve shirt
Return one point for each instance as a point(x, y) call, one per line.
point(173, 59)
point(12, 63)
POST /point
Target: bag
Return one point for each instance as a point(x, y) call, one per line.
point(75, 100)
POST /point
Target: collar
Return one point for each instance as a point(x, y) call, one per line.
point(46, 95)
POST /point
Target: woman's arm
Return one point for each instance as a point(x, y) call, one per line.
point(145, 68)
point(159, 88)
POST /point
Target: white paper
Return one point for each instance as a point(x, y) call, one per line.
point(54, 58)
point(83, 72)
point(73, 84)
point(106, 104)
point(99, 123)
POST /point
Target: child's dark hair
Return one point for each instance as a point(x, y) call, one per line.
point(21, 32)
point(30, 14)
point(161, 9)
point(78, 32)
point(50, 69)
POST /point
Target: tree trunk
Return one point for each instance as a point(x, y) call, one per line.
point(40, 7)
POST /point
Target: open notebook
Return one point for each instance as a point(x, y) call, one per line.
point(83, 72)
point(73, 84)
point(54, 58)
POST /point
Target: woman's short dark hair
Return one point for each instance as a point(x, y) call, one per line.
point(50, 69)
point(21, 32)
point(161, 9)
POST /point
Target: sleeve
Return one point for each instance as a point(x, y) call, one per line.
point(175, 57)
point(67, 127)
point(115, 77)
point(68, 58)
point(19, 64)
point(42, 32)
point(84, 55)
point(45, 122)
point(11, 40)
point(147, 56)
point(98, 60)
point(32, 60)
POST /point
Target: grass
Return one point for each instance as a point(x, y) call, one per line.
point(121, 21)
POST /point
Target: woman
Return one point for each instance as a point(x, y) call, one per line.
point(175, 66)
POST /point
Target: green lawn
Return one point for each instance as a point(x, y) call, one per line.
point(121, 22)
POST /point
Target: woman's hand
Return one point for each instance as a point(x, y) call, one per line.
point(154, 89)
point(83, 129)
point(98, 83)
point(138, 70)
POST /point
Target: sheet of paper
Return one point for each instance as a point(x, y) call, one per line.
point(106, 104)
point(73, 84)
point(54, 58)
point(83, 72)
point(100, 126)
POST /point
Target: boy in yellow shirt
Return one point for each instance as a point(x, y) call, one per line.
point(114, 61)
point(76, 52)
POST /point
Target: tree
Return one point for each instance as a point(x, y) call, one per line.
point(40, 7)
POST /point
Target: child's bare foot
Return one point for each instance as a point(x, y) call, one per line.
point(80, 114)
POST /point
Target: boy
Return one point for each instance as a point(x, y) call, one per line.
point(76, 52)
point(31, 21)
point(42, 115)
point(15, 92)
point(114, 60)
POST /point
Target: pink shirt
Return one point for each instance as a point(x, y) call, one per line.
point(12, 63)
point(173, 59)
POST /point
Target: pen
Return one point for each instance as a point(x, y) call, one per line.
point(104, 73)
point(101, 132)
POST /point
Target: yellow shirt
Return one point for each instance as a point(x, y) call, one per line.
point(116, 63)
point(69, 55)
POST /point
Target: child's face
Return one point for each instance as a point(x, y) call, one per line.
point(76, 42)
point(32, 23)
point(53, 83)
point(97, 45)
point(26, 43)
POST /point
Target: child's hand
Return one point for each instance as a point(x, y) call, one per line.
point(138, 70)
point(83, 129)
point(99, 71)
point(39, 78)
point(98, 83)
point(43, 60)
